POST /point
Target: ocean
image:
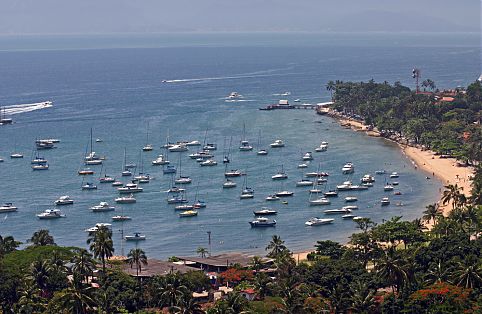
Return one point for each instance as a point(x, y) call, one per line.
point(114, 85)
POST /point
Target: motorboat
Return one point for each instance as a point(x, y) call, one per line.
point(350, 199)
point(130, 166)
point(130, 188)
point(16, 156)
point(183, 180)
point(169, 169)
point(315, 221)
point(7, 208)
point(126, 173)
point(281, 175)
point(320, 201)
point(106, 179)
point(321, 148)
point(331, 194)
point(209, 163)
point(228, 184)
point(147, 148)
point(357, 187)
point(51, 214)
point(125, 199)
point(264, 211)
point(160, 160)
point(98, 226)
point(226, 160)
point(210, 146)
point(176, 189)
point(348, 168)
point(121, 218)
point(193, 143)
point(93, 162)
point(136, 237)
point(385, 201)
point(395, 183)
point(184, 207)
point(397, 193)
point(199, 204)
point(337, 211)
point(277, 144)
point(244, 147)
point(188, 213)
point(40, 167)
point(177, 199)
point(357, 218)
point(272, 197)
point(86, 172)
point(388, 187)
point(262, 152)
point(367, 184)
point(307, 156)
point(346, 186)
point(204, 154)
point(394, 175)
point(348, 216)
point(350, 207)
point(64, 200)
point(284, 193)
point(321, 181)
point(315, 190)
point(380, 172)
point(367, 179)
point(178, 148)
point(38, 161)
point(297, 100)
point(44, 144)
point(304, 182)
point(262, 222)
point(316, 174)
point(102, 207)
point(99, 140)
point(233, 96)
point(117, 183)
point(233, 173)
point(302, 166)
point(89, 186)
point(245, 194)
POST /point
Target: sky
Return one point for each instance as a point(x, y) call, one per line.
point(157, 16)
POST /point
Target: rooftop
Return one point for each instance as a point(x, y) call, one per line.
point(221, 260)
point(157, 267)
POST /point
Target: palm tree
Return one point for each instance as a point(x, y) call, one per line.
point(363, 298)
point(256, 263)
point(331, 86)
point(57, 263)
point(188, 305)
point(30, 300)
point(77, 298)
point(42, 238)
point(431, 214)
point(137, 257)
point(101, 244)
point(453, 194)
point(7, 245)
point(39, 274)
point(83, 264)
point(390, 268)
point(202, 251)
point(172, 290)
point(436, 273)
point(468, 273)
point(236, 302)
point(277, 247)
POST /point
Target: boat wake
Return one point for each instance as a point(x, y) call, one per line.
point(219, 78)
point(23, 108)
point(238, 100)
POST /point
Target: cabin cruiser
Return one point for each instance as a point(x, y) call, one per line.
point(51, 214)
point(199, 204)
point(262, 222)
point(357, 218)
point(385, 201)
point(125, 199)
point(323, 147)
point(45, 144)
point(277, 144)
point(117, 183)
point(136, 237)
point(307, 156)
point(337, 211)
point(86, 172)
point(208, 163)
point(210, 146)
point(147, 148)
point(89, 186)
point(126, 173)
point(183, 180)
point(320, 181)
point(193, 143)
point(367, 184)
point(272, 197)
point(92, 159)
point(233, 173)
point(331, 194)
point(315, 221)
point(234, 95)
point(130, 188)
point(226, 160)
point(188, 213)
point(284, 193)
point(169, 169)
point(244, 147)
point(313, 191)
point(178, 148)
point(320, 201)
point(121, 218)
point(184, 207)
point(350, 207)
point(160, 160)
point(264, 211)
point(350, 199)
point(229, 184)
point(8, 207)
point(64, 200)
point(102, 207)
point(346, 186)
point(262, 152)
point(358, 187)
point(247, 193)
point(106, 179)
point(177, 199)
point(281, 175)
point(348, 168)
point(38, 161)
point(204, 154)
point(40, 167)
point(99, 140)
point(98, 226)
point(394, 175)
point(16, 156)
point(316, 174)
point(348, 216)
point(388, 187)
point(304, 182)
point(176, 189)
point(302, 166)
point(367, 179)
point(395, 183)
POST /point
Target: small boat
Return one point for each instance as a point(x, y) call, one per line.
point(40, 167)
point(193, 143)
point(367, 179)
point(262, 152)
point(350, 199)
point(183, 180)
point(316, 174)
point(64, 200)
point(106, 179)
point(97, 226)
point(160, 160)
point(388, 187)
point(130, 188)
point(99, 140)
point(51, 214)
point(350, 207)
point(177, 199)
point(304, 182)
point(245, 147)
point(348, 216)
point(204, 154)
point(89, 186)
point(346, 186)
point(348, 168)
point(322, 147)
point(358, 187)
point(284, 193)
point(199, 204)
point(379, 172)
point(136, 237)
point(184, 207)
point(7, 208)
point(228, 184)
point(147, 148)
point(281, 175)
point(126, 199)
point(178, 148)
point(277, 144)
point(315, 221)
point(313, 191)
point(394, 175)
point(85, 172)
point(102, 207)
point(307, 156)
point(302, 166)
point(395, 183)
point(367, 184)
point(209, 163)
point(284, 202)
point(226, 160)
point(331, 194)
point(272, 197)
point(297, 100)
point(175, 189)
point(117, 183)
point(320, 181)
point(246, 194)
point(265, 211)
point(320, 201)
point(38, 161)
point(397, 193)
point(16, 155)
point(234, 95)
point(233, 173)
point(357, 218)
point(126, 173)
point(169, 169)
point(337, 211)
point(262, 222)
point(188, 213)
point(210, 146)
point(385, 201)
point(121, 218)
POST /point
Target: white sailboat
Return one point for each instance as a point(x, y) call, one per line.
point(148, 147)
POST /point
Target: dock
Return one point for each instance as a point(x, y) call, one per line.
point(284, 105)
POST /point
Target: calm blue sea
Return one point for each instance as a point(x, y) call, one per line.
point(113, 84)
